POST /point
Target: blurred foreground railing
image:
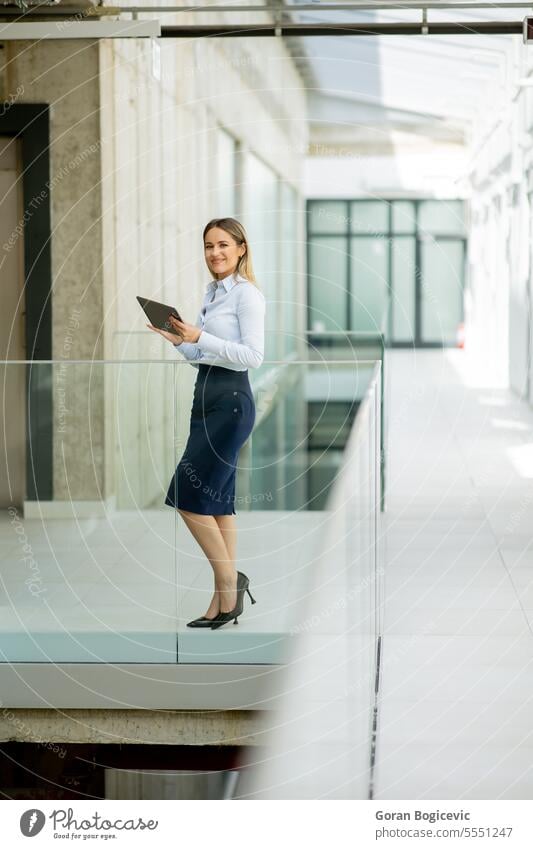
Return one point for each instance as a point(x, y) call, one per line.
point(354, 347)
point(319, 742)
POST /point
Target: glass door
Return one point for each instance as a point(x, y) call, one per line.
point(441, 290)
point(440, 277)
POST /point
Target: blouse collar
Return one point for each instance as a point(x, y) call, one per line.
point(228, 282)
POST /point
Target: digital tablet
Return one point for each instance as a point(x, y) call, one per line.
point(159, 313)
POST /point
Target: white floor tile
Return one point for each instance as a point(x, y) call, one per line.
point(484, 684)
point(500, 596)
point(434, 771)
point(458, 722)
point(484, 622)
point(415, 651)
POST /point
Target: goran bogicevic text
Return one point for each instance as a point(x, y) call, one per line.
point(426, 816)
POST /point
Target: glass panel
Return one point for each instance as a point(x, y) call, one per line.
point(90, 571)
point(442, 217)
point(321, 735)
point(369, 289)
point(289, 289)
point(261, 221)
point(442, 290)
point(327, 216)
point(329, 425)
point(403, 258)
point(13, 452)
point(327, 283)
point(403, 216)
point(278, 505)
point(369, 216)
point(294, 459)
point(87, 578)
point(266, 449)
point(143, 401)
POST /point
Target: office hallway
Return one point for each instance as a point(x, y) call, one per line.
point(456, 703)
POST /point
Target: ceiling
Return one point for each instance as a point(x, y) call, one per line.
point(377, 92)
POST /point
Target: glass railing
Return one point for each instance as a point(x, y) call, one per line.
point(318, 743)
point(354, 347)
point(96, 568)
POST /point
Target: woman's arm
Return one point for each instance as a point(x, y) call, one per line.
point(190, 350)
point(251, 314)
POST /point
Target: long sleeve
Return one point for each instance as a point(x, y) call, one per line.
point(190, 350)
point(251, 315)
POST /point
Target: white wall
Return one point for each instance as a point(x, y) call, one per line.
point(499, 314)
point(436, 173)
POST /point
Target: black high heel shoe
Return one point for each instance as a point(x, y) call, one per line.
point(243, 586)
point(201, 622)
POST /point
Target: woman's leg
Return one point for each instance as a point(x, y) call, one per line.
point(228, 529)
point(209, 537)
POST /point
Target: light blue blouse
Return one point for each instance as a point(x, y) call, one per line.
point(232, 319)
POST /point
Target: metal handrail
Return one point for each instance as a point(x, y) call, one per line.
point(172, 362)
point(103, 11)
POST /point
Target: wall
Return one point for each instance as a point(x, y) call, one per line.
point(498, 302)
point(64, 74)
point(133, 182)
point(159, 188)
point(434, 172)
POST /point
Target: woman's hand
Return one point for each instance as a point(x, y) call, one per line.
point(187, 332)
point(172, 337)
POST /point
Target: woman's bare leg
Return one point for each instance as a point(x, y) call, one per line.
point(228, 528)
point(209, 537)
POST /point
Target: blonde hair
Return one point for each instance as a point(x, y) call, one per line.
point(237, 231)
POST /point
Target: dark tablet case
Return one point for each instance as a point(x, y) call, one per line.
point(159, 313)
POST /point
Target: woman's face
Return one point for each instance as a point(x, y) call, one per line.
point(222, 252)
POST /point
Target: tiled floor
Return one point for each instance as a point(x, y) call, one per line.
point(455, 713)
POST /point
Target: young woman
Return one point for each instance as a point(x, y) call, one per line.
point(227, 339)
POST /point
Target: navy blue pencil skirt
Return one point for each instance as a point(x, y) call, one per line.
point(222, 418)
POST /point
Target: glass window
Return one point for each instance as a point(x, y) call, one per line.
point(289, 280)
point(369, 216)
point(265, 463)
point(327, 283)
point(294, 456)
point(261, 221)
point(369, 276)
point(442, 217)
point(403, 288)
point(442, 289)
point(403, 216)
point(328, 216)
point(426, 301)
